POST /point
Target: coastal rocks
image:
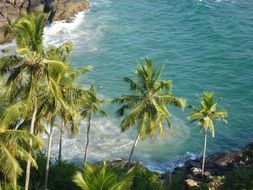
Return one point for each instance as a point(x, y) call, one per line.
point(191, 183)
point(66, 9)
point(249, 147)
point(10, 10)
point(216, 166)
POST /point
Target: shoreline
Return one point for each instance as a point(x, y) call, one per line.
point(62, 10)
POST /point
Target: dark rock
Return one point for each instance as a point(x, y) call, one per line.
point(5, 50)
point(61, 10)
point(192, 164)
point(189, 176)
point(249, 147)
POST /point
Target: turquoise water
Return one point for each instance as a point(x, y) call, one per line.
point(205, 45)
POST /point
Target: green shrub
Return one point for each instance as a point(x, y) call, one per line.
point(239, 178)
point(247, 154)
point(4, 186)
point(60, 175)
point(146, 180)
point(177, 181)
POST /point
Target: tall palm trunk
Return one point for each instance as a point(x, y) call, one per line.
point(48, 154)
point(28, 166)
point(132, 151)
point(204, 154)
point(88, 137)
point(60, 142)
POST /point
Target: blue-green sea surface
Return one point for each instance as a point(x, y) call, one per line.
point(205, 45)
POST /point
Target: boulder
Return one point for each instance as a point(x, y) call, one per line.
point(62, 9)
point(191, 183)
point(249, 147)
point(195, 171)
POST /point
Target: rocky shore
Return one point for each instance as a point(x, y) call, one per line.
point(217, 166)
point(10, 10)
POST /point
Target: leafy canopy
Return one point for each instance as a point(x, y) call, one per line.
point(207, 114)
point(147, 106)
point(103, 178)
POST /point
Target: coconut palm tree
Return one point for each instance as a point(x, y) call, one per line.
point(90, 106)
point(14, 144)
point(71, 94)
point(31, 72)
point(206, 115)
point(146, 107)
point(94, 178)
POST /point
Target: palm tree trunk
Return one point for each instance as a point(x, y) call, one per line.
point(132, 151)
point(28, 166)
point(48, 155)
point(88, 137)
point(204, 154)
point(60, 143)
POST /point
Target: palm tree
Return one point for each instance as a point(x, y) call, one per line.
point(90, 106)
point(71, 94)
point(31, 73)
point(14, 144)
point(92, 178)
point(147, 106)
point(206, 115)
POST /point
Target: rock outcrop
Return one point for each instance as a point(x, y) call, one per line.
point(10, 10)
point(217, 166)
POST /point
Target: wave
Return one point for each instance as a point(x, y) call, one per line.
point(61, 31)
point(108, 143)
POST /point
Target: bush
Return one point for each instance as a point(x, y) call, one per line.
point(239, 178)
point(177, 181)
point(143, 178)
point(146, 180)
point(60, 175)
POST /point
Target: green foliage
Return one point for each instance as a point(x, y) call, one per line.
point(8, 186)
point(103, 178)
point(146, 180)
point(60, 175)
point(143, 179)
point(239, 178)
point(248, 155)
point(207, 113)
point(146, 107)
point(14, 144)
point(177, 181)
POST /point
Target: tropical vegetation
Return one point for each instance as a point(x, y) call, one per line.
point(206, 115)
point(147, 105)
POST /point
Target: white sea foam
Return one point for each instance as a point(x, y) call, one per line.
point(62, 31)
point(108, 143)
point(8, 47)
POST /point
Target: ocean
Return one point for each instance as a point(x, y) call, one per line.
point(204, 45)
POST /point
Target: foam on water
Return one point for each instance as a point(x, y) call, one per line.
point(108, 143)
point(10, 47)
point(62, 31)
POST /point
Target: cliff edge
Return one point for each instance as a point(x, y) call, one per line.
point(10, 10)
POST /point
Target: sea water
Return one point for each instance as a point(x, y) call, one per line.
point(204, 45)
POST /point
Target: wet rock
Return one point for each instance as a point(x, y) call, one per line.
point(207, 174)
point(62, 9)
point(192, 164)
point(191, 183)
point(249, 147)
point(189, 176)
point(195, 171)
